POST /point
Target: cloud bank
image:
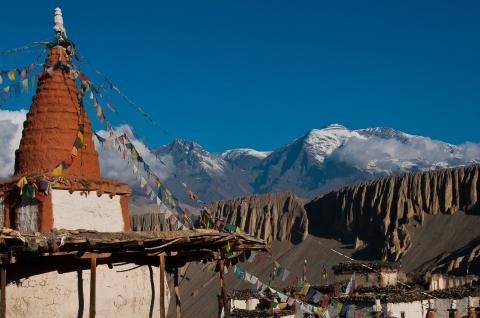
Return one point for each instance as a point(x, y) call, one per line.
point(374, 154)
point(394, 155)
point(11, 125)
point(112, 164)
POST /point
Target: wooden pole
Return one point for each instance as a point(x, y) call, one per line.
point(162, 285)
point(223, 291)
point(177, 294)
point(3, 287)
point(93, 281)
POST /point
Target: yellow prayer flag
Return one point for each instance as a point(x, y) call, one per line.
point(80, 136)
point(11, 75)
point(21, 183)
point(58, 170)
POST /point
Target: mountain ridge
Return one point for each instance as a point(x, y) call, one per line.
point(321, 160)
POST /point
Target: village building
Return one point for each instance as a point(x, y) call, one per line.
point(67, 249)
point(440, 281)
point(368, 274)
point(402, 303)
point(382, 289)
point(371, 298)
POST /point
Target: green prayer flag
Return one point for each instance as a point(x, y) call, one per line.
point(78, 143)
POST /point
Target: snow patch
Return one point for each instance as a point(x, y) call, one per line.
point(233, 154)
point(320, 143)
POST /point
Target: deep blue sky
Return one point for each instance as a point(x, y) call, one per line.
point(260, 73)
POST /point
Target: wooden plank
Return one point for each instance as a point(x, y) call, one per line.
point(162, 285)
point(95, 255)
point(3, 290)
point(93, 280)
point(177, 293)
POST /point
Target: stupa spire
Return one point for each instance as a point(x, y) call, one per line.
point(56, 118)
point(58, 22)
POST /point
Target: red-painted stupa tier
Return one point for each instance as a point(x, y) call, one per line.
point(51, 126)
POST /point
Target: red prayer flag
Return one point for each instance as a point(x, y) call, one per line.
point(83, 78)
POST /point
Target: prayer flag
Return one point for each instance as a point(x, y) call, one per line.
point(78, 143)
point(143, 182)
point(99, 111)
point(251, 259)
point(310, 293)
point(11, 75)
point(293, 279)
point(153, 195)
point(290, 301)
point(57, 171)
point(111, 108)
point(258, 286)
point(24, 85)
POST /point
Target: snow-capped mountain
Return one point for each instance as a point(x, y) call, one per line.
point(334, 156)
point(190, 155)
point(321, 160)
point(244, 158)
point(320, 143)
point(211, 176)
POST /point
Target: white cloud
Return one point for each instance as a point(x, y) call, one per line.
point(393, 156)
point(112, 164)
point(372, 154)
point(11, 125)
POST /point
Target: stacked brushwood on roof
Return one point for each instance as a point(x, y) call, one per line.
point(397, 294)
point(366, 267)
point(240, 313)
point(14, 243)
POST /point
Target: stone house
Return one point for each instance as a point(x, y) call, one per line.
point(368, 274)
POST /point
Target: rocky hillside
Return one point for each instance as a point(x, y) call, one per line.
point(276, 216)
point(375, 214)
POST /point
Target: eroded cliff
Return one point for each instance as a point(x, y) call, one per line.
point(375, 214)
point(275, 216)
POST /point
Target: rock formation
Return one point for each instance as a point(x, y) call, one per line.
point(276, 216)
point(377, 212)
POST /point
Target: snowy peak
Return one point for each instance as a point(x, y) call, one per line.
point(180, 145)
point(322, 160)
point(244, 158)
point(320, 143)
point(385, 133)
point(234, 154)
point(190, 155)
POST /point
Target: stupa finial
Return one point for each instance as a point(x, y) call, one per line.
point(58, 23)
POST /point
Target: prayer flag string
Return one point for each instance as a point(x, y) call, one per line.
point(108, 83)
point(164, 198)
